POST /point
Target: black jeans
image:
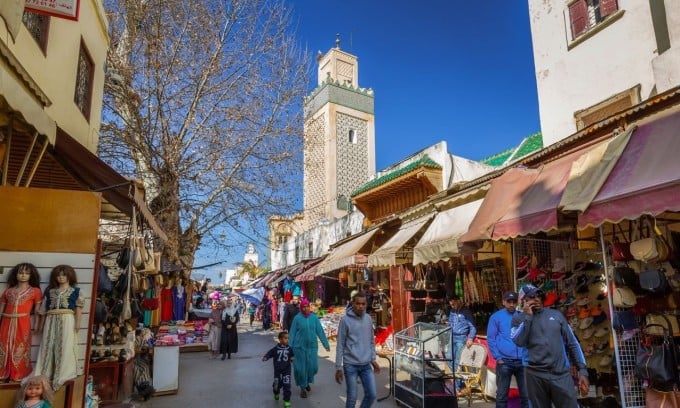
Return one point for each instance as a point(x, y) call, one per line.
point(504, 373)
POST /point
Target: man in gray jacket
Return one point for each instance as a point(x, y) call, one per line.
point(355, 353)
point(552, 348)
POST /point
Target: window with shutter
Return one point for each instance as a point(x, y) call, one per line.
point(38, 25)
point(578, 14)
point(608, 7)
point(584, 15)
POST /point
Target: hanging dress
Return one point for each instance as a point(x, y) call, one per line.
point(15, 332)
point(166, 304)
point(57, 357)
point(179, 300)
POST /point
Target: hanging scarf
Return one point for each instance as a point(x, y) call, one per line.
point(231, 312)
point(303, 303)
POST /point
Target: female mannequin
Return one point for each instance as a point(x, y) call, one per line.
point(179, 300)
point(59, 323)
point(166, 301)
point(16, 304)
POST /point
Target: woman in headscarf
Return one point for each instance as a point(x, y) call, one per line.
point(214, 337)
point(229, 338)
point(304, 332)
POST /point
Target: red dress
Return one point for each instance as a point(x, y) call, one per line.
point(15, 332)
point(166, 304)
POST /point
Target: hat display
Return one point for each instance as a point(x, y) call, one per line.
point(588, 333)
point(559, 265)
point(523, 263)
point(605, 361)
point(585, 323)
point(601, 332)
point(602, 317)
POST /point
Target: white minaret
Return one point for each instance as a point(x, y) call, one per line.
point(339, 137)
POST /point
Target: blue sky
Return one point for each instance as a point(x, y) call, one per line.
point(459, 71)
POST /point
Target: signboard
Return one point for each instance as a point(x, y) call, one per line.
point(57, 8)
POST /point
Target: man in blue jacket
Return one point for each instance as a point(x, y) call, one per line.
point(510, 358)
point(463, 331)
point(552, 347)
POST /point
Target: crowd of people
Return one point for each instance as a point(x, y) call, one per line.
point(531, 343)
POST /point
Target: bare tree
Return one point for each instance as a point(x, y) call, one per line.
point(203, 104)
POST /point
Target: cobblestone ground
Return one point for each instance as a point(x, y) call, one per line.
point(245, 381)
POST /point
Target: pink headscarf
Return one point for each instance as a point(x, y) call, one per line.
point(303, 303)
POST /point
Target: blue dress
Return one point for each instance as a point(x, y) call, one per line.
point(304, 332)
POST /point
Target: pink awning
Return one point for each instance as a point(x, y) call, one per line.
point(645, 180)
point(522, 201)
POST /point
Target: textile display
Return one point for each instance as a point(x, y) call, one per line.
point(15, 332)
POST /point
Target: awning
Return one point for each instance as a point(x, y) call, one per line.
point(440, 241)
point(345, 253)
point(591, 170)
point(121, 192)
point(646, 178)
point(386, 255)
point(522, 201)
point(506, 189)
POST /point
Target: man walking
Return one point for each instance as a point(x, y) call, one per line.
point(549, 341)
point(290, 311)
point(355, 353)
point(510, 359)
point(463, 331)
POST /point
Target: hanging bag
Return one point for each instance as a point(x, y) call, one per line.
point(655, 361)
point(620, 249)
point(654, 280)
point(431, 283)
point(650, 249)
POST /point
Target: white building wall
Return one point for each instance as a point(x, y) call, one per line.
point(571, 77)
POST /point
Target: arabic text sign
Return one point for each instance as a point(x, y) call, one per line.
point(57, 8)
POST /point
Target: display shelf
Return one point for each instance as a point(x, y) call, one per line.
point(422, 374)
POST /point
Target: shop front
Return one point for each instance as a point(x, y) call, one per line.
point(574, 224)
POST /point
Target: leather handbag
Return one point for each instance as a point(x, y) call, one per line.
point(624, 297)
point(620, 249)
point(654, 280)
point(123, 257)
point(657, 324)
point(655, 361)
point(653, 248)
point(625, 276)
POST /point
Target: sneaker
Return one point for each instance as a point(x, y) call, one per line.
point(276, 397)
point(523, 263)
point(303, 393)
point(584, 312)
point(559, 265)
point(521, 275)
point(585, 323)
point(583, 301)
point(286, 404)
point(570, 300)
point(536, 273)
point(557, 276)
point(308, 388)
point(569, 283)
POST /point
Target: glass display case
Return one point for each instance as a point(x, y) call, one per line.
point(423, 376)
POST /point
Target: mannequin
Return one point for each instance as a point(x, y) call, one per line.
point(166, 301)
point(59, 323)
point(21, 297)
point(179, 300)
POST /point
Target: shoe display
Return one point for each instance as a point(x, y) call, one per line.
point(571, 312)
point(523, 263)
point(522, 275)
point(536, 273)
point(605, 361)
point(557, 276)
point(570, 300)
point(599, 319)
point(559, 265)
point(584, 312)
point(583, 301)
point(602, 347)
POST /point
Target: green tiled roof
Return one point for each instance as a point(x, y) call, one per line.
point(499, 158)
point(529, 145)
point(424, 161)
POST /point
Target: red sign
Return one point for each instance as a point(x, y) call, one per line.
point(57, 8)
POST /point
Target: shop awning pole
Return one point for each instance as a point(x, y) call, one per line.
point(35, 165)
point(27, 156)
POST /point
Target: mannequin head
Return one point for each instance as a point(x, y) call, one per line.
point(28, 271)
point(63, 270)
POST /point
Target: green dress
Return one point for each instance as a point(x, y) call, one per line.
point(303, 335)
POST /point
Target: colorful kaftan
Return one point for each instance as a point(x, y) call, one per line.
point(15, 332)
